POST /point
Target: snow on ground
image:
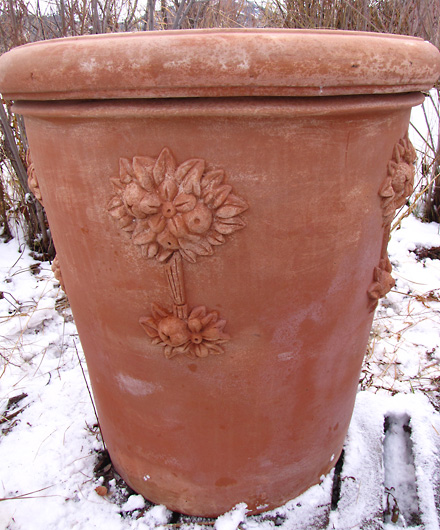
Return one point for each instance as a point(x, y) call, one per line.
point(50, 444)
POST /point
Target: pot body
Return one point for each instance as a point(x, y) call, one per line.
point(266, 418)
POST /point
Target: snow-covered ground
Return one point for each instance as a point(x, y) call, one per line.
point(51, 458)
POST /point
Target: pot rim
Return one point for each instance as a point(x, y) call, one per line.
point(219, 107)
point(218, 63)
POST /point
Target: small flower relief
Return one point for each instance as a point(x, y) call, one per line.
point(382, 284)
point(32, 177)
point(56, 269)
point(167, 209)
point(399, 183)
point(198, 335)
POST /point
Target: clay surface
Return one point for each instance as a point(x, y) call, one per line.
point(221, 254)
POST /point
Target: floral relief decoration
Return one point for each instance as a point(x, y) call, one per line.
point(198, 335)
point(394, 193)
point(169, 208)
point(399, 182)
point(35, 189)
point(176, 213)
point(32, 177)
point(56, 269)
point(382, 284)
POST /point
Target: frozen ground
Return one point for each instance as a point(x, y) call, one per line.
point(51, 458)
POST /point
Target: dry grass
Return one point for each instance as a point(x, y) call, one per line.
point(394, 361)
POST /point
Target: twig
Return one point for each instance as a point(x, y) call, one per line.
point(18, 259)
point(90, 394)
point(178, 525)
point(151, 5)
point(8, 361)
point(423, 138)
point(434, 103)
point(2, 295)
point(8, 417)
point(180, 14)
point(27, 495)
point(9, 136)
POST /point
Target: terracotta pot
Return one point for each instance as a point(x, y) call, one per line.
point(220, 203)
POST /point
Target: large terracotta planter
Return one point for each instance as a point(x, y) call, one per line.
point(220, 204)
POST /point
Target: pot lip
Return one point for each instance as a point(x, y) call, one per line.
point(218, 63)
point(258, 108)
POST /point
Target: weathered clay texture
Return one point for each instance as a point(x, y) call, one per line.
point(285, 301)
point(234, 63)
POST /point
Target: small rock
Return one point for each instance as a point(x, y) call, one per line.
point(101, 491)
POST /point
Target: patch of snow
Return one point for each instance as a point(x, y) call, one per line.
point(134, 502)
point(232, 519)
point(156, 516)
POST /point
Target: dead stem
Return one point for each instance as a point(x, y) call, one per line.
point(8, 417)
point(30, 495)
point(90, 395)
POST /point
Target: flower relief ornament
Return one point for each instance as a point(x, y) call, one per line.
point(199, 335)
point(32, 177)
point(394, 193)
point(34, 187)
point(168, 208)
point(174, 213)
